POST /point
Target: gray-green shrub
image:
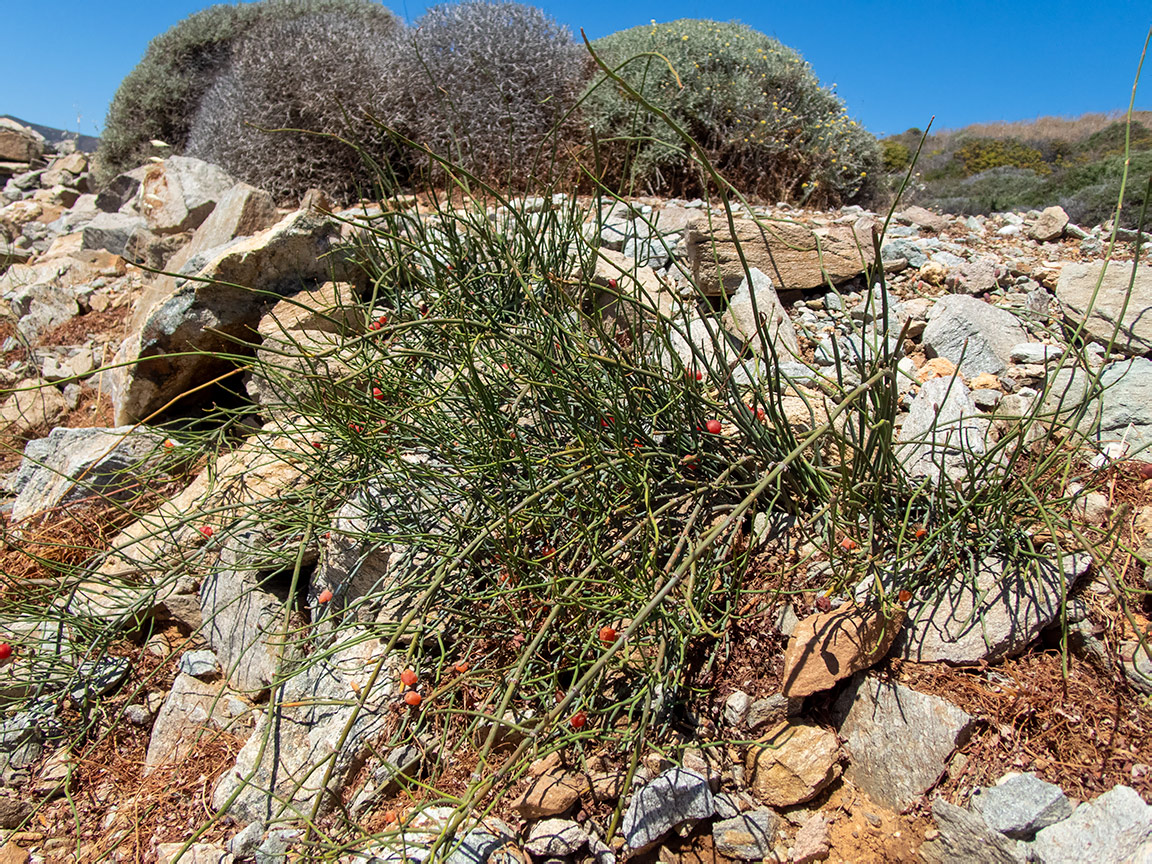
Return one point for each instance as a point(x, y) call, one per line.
point(325, 72)
point(159, 97)
point(753, 104)
point(491, 87)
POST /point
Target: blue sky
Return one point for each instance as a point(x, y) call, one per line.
point(896, 64)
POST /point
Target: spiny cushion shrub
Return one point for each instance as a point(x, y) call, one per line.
point(491, 87)
point(753, 104)
point(320, 73)
point(159, 97)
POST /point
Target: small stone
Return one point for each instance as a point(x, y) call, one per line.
point(199, 664)
point(550, 794)
point(137, 715)
point(1019, 805)
point(244, 844)
point(1050, 226)
point(963, 837)
point(556, 838)
point(748, 836)
point(1113, 828)
point(771, 710)
point(736, 708)
point(794, 766)
point(812, 842)
point(829, 646)
point(671, 799)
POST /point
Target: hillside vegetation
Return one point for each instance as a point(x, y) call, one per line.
point(1076, 163)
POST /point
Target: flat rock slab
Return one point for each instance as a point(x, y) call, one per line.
point(829, 646)
point(280, 777)
point(944, 433)
point(898, 740)
point(977, 336)
point(70, 464)
point(1115, 828)
point(993, 613)
point(757, 316)
point(794, 257)
point(749, 836)
point(1120, 410)
point(1019, 805)
point(668, 800)
point(191, 711)
point(966, 838)
point(1113, 304)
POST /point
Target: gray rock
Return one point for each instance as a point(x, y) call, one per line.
point(72, 464)
point(1019, 805)
point(178, 194)
point(736, 708)
point(670, 799)
point(33, 406)
point(898, 740)
point(749, 836)
point(121, 190)
point(771, 710)
point(1115, 828)
point(42, 306)
point(755, 312)
point(189, 708)
point(871, 311)
point(199, 664)
point(557, 838)
point(13, 811)
point(903, 248)
point(274, 848)
point(244, 844)
point(1120, 410)
point(1050, 225)
point(244, 612)
point(944, 433)
point(1075, 290)
point(97, 678)
point(479, 843)
point(994, 612)
point(1035, 352)
point(401, 764)
point(975, 335)
point(138, 715)
point(965, 838)
point(284, 781)
point(110, 231)
point(975, 277)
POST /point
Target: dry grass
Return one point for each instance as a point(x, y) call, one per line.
point(1066, 129)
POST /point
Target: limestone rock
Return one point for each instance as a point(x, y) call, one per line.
point(964, 837)
point(793, 256)
point(70, 464)
point(1075, 289)
point(794, 765)
point(284, 781)
point(330, 308)
point(976, 336)
point(178, 194)
point(111, 231)
point(1121, 408)
point(993, 613)
point(1050, 226)
point(755, 309)
point(668, 800)
point(42, 306)
point(201, 316)
point(943, 433)
point(555, 838)
point(829, 646)
point(1019, 805)
point(922, 218)
point(18, 143)
point(1114, 828)
point(31, 407)
point(898, 740)
point(191, 711)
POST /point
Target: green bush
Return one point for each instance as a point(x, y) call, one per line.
point(326, 72)
point(1088, 193)
point(159, 97)
point(1110, 141)
point(491, 86)
point(983, 154)
point(991, 191)
point(753, 104)
point(896, 156)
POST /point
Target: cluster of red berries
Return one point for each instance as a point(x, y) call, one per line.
point(378, 323)
point(409, 679)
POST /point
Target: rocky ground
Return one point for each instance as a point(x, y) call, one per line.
point(951, 733)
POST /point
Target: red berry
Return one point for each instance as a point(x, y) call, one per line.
point(699, 375)
point(713, 426)
point(206, 530)
point(607, 634)
point(169, 444)
point(547, 551)
point(578, 720)
point(377, 393)
point(413, 698)
point(317, 444)
point(5, 650)
point(325, 595)
point(905, 595)
point(409, 678)
point(381, 321)
point(921, 533)
point(847, 544)
point(612, 283)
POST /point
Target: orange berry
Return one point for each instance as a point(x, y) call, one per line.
point(461, 667)
point(848, 544)
point(921, 533)
point(325, 595)
point(905, 595)
point(409, 678)
point(390, 817)
point(413, 698)
point(607, 634)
